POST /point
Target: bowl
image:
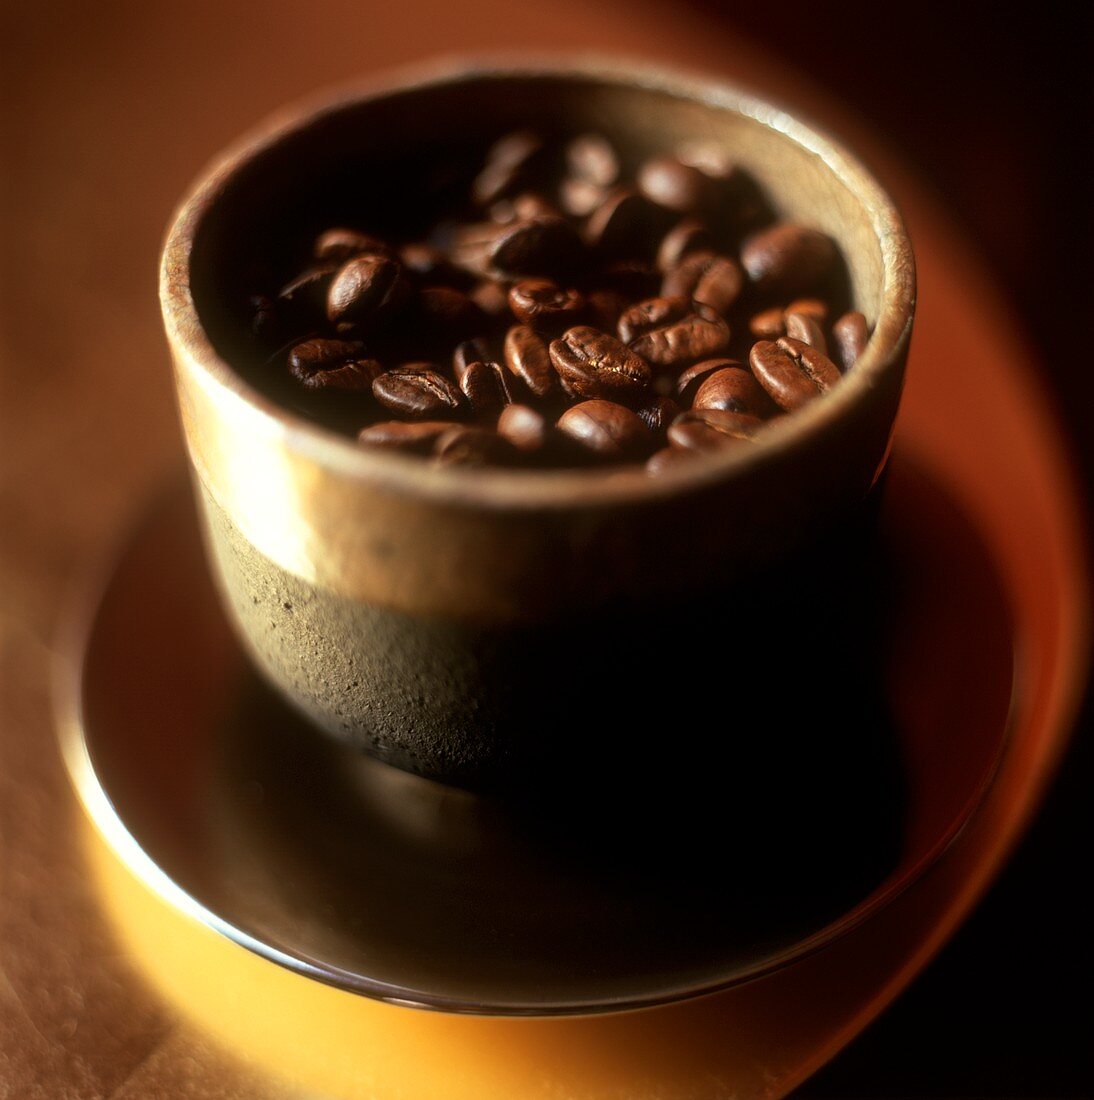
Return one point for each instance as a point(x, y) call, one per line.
point(484, 626)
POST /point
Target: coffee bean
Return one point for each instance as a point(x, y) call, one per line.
point(467, 352)
point(591, 157)
point(706, 277)
point(710, 157)
point(524, 427)
point(527, 357)
point(580, 197)
point(700, 335)
point(265, 323)
point(466, 446)
point(491, 297)
point(542, 303)
point(650, 314)
point(430, 265)
point(687, 385)
point(659, 414)
point(668, 458)
point(605, 306)
point(445, 311)
point(416, 390)
point(675, 186)
point(712, 429)
point(593, 364)
point(339, 244)
point(768, 324)
point(508, 162)
point(734, 390)
point(309, 288)
point(605, 428)
point(367, 290)
point(400, 435)
point(687, 236)
point(526, 205)
point(793, 373)
point(803, 327)
point(635, 279)
point(536, 246)
point(333, 365)
point(788, 259)
point(619, 226)
point(309, 356)
point(813, 307)
point(485, 386)
point(851, 335)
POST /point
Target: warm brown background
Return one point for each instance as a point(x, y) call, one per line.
point(108, 110)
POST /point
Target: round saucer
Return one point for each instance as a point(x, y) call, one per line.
point(580, 901)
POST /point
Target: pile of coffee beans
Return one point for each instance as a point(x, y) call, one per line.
point(569, 313)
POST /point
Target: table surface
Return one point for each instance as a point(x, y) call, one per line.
point(111, 111)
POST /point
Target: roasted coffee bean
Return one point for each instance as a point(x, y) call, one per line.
point(355, 376)
point(416, 390)
point(734, 390)
point(485, 386)
point(526, 205)
point(508, 163)
point(309, 288)
point(265, 323)
point(803, 327)
point(367, 290)
point(527, 357)
point(536, 246)
point(650, 314)
point(659, 414)
point(524, 427)
point(706, 277)
point(851, 335)
point(768, 324)
point(668, 458)
point(635, 279)
point(446, 311)
point(712, 429)
point(700, 335)
point(579, 197)
point(793, 373)
point(543, 304)
point(619, 226)
point(593, 364)
point(491, 297)
point(309, 356)
point(788, 259)
point(675, 186)
point(604, 307)
point(339, 244)
point(430, 265)
point(687, 385)
point(709, 157)
point(466, 446)
point(591, 157)
point(605, 428)
point(812, 307)
point(467, 352)
point(687, 236)
point(399, 435)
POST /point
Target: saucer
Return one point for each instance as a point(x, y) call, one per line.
point(348, 871)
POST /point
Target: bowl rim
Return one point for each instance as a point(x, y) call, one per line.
point(526, 489)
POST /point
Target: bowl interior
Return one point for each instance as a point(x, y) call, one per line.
point(400, 155)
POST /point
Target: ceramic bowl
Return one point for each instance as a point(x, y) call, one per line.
point(471, 625)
